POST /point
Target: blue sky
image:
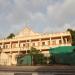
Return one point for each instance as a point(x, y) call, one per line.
point(41, 15)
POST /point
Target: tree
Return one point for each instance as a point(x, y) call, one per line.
point(70, 30)
point(72, 35)
point(37, 56)
point(11, 36)
point(34, 51)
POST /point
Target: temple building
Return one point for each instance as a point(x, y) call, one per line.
point(26, 39)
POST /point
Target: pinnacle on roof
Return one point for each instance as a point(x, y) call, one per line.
point(26, 32)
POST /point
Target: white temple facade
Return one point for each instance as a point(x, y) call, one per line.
point(26, 39)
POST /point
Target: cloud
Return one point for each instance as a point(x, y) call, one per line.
point(41, 15)
point(61, 13)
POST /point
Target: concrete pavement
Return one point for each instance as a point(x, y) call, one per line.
point(38, 70)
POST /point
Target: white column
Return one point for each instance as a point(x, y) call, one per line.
point(26, 46)
point(62, 40)
point(18, 44)
point(2, 46)
point(50, 41)
point(10, 46)
point(40, 44)
point(29, 44)
point(19, 48)
point(66, 41)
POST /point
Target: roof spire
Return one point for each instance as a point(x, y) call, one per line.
point(27, 31)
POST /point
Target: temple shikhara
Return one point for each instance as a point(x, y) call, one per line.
point(26, 39)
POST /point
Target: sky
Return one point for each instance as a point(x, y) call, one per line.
point(40, 15)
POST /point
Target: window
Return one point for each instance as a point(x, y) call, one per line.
point(60, 42)
point(68, 40)
point(43, 43)
point(53, 42)
point(64, 40)
point(14, 45)
point(33, 44)
point(48, 42)
point(6, 46)
point(27, 44)
point(23, 45)
point(38, 43)
point(0, 46)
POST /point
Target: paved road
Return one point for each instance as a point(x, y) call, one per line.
point(38, 70)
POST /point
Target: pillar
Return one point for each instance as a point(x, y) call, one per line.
point(62, 40)
point(50, 41)
point(29, 44)
point(10, 47)
point(40, 44)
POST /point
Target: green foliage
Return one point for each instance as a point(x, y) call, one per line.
point(72, 35)
point(10, 36)
point(34, 51)
point(52, 58)
point(70, 30)
point(39, 59)
point(37, 56)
